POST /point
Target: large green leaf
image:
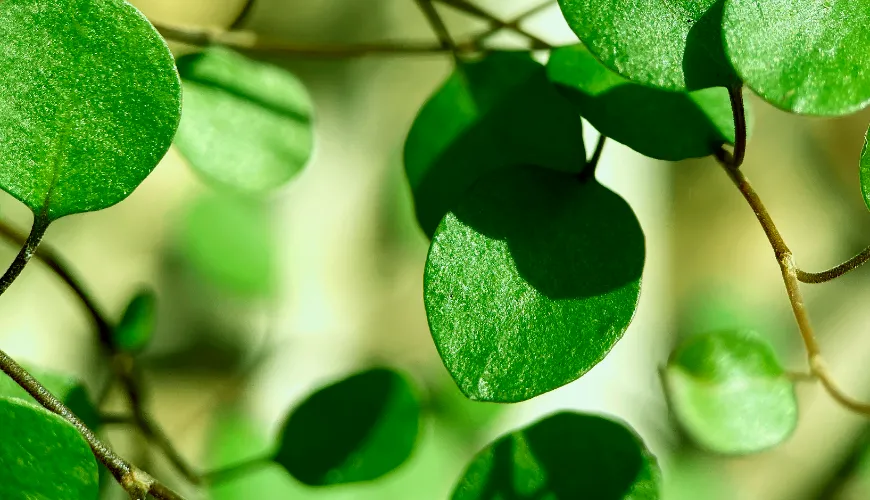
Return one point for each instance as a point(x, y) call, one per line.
point(530, 281)
point(498, 112)
point(355, 430)
point(670, 44)
point(67, 389)
point(228, 241)
point(657, 123)
point(804, 56)
point(566, 456)
point(729, 392)
point(137, 325)
point(89, 102)
point(42, 456)
point(245, 125)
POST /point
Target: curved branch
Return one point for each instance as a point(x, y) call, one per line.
point(831, 274)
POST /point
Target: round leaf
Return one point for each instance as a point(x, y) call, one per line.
point(43, 456)
point(355, 430)
point(661, 124)
point(530, 282)
point(245, 125)
point(89, 102)
point(498, 112)
point(68, 389)
point(804, 56)
point(568, 455)
point(730, 394)
point(670, 44)
point(137, 325)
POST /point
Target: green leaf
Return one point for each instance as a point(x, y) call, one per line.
point(669, 44)
point(228, 240)
point(246, 125)
point(567, 455)
point(89, 102)
point(137, 325)
point(661, 124)
point(43, 456)
point(530, 282)
point(498, 112)
point(804, 56)
point(729, 392)
point(864, 170)
point(355, 430)
point(69, 390)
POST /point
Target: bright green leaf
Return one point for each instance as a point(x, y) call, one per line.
point(568, 455)
point(67, 389)
point(660, 124)
point(730, 394)
point(89, 102)
point(228, 240)
point(531, 281)
point(498, 112)
point(137, 325)
point(804, 56)
point(355, 430)
point(245, 125)
point(43, 456)
point(669, 44)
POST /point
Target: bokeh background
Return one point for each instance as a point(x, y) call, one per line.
point(340, 250)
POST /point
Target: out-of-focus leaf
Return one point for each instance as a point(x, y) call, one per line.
point(67, 389)
point(245, 125)
point(137, 325)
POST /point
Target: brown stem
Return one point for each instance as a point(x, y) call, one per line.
point(738, 110)
point(831, 274)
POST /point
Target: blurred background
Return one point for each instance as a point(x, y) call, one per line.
point(336, 284)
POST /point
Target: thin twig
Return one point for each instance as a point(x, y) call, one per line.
point(825, 276)
point(232, 471)
point(243, 15)
point(437, 24)
point(588, 171)
point(498, 24)
point(738, 110)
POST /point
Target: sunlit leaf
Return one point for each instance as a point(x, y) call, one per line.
point(530, 282)
point(498, 112)
point(568, 455)
point(729, 392)
point(42, 456)
point(804, 56)
point(229, 241)
point(670, 44)
point(245, 125)
point(89, 102)
point(355, 430)
point(661, 124)
point(137, 325)
point(67, 389)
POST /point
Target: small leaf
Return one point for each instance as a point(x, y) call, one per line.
point(730, 394)
point(245, 125)
point(498, 112)
point(661, 124)
point(355, 430)
point(567, 455)
point(530, 282)
point(864, 170)
point(43, 456)
point(228, 240)
point(670, 44)
point(137, 325)
point(89, 102)
point(69, 390)
point(804, 56)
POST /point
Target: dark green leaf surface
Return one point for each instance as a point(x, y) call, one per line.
point(661, 124)
point(804, 56)
point(355, 430)
point(89, 102)
point(730, 394)
point(669, 44)
point(498, 112)
point(137, 325)
point(228, 240)
point(66, 388)
point(566, 456)
point(42, 456)
point(531, 281)
point(245, 125)
point(864, 170)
